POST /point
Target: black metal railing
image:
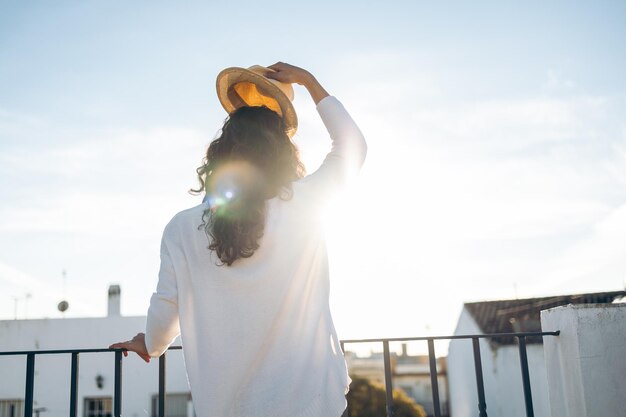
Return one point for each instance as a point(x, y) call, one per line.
point(482, 405)
point(117, 385)
point(118, 354)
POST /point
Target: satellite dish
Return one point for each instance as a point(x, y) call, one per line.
point(63, 306)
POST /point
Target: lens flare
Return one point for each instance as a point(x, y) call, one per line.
point(230, 181)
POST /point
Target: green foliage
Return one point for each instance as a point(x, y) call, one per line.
point(367, 399)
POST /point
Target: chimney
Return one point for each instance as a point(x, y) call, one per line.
point(114, 301)
point(404, 350)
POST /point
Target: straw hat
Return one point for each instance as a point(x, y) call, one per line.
point(238, 87)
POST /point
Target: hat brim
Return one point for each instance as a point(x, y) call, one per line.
point(231, 100)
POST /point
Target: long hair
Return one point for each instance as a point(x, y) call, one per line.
point(251, 160)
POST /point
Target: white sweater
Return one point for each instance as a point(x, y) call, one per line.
point(258, 338)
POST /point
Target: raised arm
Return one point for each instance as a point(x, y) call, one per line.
point(348, 143)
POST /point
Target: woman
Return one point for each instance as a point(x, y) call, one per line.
point(252, 309)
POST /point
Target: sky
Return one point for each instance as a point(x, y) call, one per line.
point(496, 133)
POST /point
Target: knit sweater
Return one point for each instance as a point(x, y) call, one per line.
point(258, 337)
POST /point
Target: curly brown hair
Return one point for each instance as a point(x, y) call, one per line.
point(251, 160)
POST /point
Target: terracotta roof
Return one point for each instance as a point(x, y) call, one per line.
point(523, 315)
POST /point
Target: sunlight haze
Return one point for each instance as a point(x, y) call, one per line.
point(496, 135)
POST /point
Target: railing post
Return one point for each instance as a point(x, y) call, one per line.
point(30, 385)
point(478, 366)
point(433, 377)
point(117, 396)
point(343, 352)
point(346, 412)
point(523, 357)
point(162, 385)
point(74, 385)
point(388, 383)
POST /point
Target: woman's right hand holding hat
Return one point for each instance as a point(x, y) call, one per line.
point(286, 73)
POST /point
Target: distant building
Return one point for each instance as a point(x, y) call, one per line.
point(500, 356)
point(409, 373)
point(96, 370)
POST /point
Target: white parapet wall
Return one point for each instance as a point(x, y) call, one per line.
point(586, 364)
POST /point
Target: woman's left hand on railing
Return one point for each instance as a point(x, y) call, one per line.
point(137, 345)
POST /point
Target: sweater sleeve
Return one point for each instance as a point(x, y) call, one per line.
point(162, 325)
point(348, 149)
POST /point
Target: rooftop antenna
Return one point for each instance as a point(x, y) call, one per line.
point(26, 298)
point(63, 305)
point(15, 301)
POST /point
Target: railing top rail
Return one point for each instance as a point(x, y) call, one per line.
point(460, 336)
point(391, 339)
point(57, 351)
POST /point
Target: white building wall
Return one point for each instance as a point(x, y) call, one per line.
point(587, 362)
point(502, 377)
point(504, 382)
point(461, 376)
point(52, 372)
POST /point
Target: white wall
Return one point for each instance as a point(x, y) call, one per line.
point(461, 376)
point(587, 363)
point(52, 372)
point(502, 376)
point(504, 382)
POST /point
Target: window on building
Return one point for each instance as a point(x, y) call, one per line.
point(98, 407)
point(175, 404)
point(11, 408)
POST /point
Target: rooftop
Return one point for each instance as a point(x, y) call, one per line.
point(523, 315)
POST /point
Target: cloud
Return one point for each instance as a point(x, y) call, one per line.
point(458, 197)
point(120, 179)
point(12, 122)
point(512, 124)
point(599, 258)
point(616, 166)
point(37, 297)
point(492, 191)
point(16, 284)
point(109, 154)
point(556, 82)
point(15, 277)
